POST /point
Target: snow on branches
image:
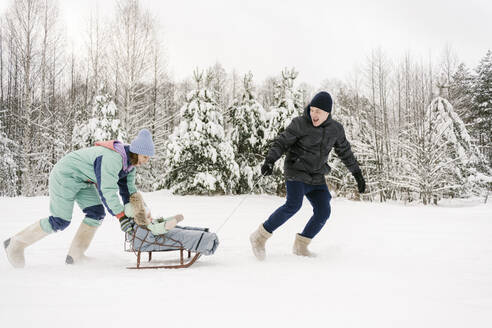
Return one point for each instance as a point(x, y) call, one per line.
point(102, 125)
point(199, 157)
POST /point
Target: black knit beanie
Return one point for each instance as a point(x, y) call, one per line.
point(323, 101)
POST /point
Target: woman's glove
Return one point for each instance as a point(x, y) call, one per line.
point(126, 224)
point(361, 183)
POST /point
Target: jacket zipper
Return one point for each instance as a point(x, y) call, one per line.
point(321, 143)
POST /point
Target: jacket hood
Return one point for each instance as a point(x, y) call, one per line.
point(107, 144)
point(120, 148)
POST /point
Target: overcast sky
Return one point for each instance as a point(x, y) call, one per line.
point(322, 39)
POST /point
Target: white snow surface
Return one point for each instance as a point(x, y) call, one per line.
point(378, 265)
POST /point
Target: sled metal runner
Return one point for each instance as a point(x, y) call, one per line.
point(130, 243)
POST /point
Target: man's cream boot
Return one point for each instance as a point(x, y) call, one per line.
point(80, 243)
point(301, 246)
point(14, 246)
point(258, 240)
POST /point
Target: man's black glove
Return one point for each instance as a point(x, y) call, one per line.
point(267, 168)
point(361, 183)
point(126, 224)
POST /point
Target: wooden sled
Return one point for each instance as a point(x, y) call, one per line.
point(129, 247)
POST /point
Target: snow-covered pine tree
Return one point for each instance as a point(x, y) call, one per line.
point(288, 104)
point(481, 117)
point(8, 165)
point(461, 92)
point(247, 134)
point(103, 124)
point(199, 158)
point(441, 159)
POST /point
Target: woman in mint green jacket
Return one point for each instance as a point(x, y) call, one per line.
point(92, 177)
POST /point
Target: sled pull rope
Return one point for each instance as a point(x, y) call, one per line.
point(238, 205)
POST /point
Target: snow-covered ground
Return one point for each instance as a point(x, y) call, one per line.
point(378, 265)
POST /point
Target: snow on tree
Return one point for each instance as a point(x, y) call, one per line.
point(103, 124)
point(199, 158)
point(352, 111)
point(460, 92)
point(247, 135)
point(216, 81)
point(440, 158)
point(288, 104)
point(482, 110)
point(133, 34)
point(8, 165)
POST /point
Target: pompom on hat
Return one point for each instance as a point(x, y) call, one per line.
point(143, 143)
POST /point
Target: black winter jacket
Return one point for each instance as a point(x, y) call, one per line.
point(307, 149)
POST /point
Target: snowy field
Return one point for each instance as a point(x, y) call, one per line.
point(378, 265)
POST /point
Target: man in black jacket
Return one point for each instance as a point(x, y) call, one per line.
point(307, 141)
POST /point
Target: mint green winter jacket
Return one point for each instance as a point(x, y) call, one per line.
point(107, 166)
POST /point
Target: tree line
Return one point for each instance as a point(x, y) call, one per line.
point(420, 129)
